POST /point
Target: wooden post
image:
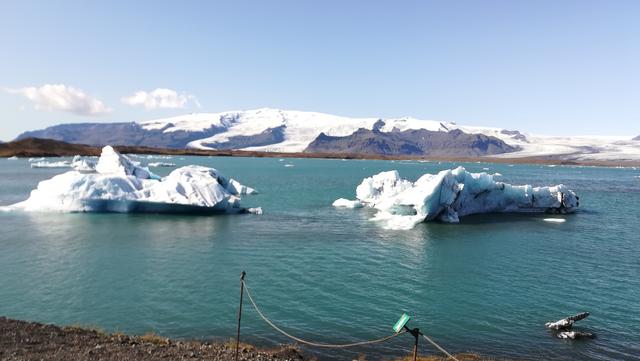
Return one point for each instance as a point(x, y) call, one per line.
point(240, 312)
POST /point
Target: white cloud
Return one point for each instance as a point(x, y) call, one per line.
point(160, 98)
point(64, 98)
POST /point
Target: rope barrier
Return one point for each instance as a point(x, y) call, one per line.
point(315, 344)
point(326, 345)
point(438, 347)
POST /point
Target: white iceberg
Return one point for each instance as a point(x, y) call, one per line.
point(455, 193)
point(120, 185)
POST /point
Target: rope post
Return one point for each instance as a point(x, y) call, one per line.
point(242, 275)
point(416, 334)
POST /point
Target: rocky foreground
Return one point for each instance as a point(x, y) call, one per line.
point(20, 340)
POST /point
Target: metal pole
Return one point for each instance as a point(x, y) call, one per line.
point(416, 334)
point(240, 312)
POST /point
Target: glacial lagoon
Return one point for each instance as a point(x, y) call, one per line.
point(485, 285)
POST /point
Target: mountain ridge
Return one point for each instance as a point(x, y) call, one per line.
point(289, 131)
point(411, 142)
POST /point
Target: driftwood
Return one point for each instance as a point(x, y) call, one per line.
point(566, 323)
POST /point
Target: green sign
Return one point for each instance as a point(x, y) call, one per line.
point(401, 322)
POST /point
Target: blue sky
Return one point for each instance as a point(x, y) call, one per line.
point(550, 67)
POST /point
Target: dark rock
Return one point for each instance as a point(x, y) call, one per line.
point(415, 142)
point(100, 134)
point(515, 135)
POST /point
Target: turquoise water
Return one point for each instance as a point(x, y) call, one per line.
point(486, 285)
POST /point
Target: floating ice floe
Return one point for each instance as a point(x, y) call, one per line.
point(454, 193)
point(564, 326)
point(78, 163)
point(346, 203)
point(574, 335)
point(151, 156)
point(13, 158)
point(555, 220)
point(118, 184)
point(45, 164)
point(161, 164)
point(36, 159)
point(566, 323)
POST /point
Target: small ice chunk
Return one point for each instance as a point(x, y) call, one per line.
point(346, 203)
point(236, 188)
point(574, 335)
point(289, 165)
point(13, 158)
point(256, 210)
point(567, 323)
point(161, 164)
point(82, 164)
point(555, 220)
point(44, 164)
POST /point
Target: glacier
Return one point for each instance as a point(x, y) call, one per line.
point(451, 194)
point(118, 184)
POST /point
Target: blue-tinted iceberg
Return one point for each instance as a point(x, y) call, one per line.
point(118, 184)
point(455, 193)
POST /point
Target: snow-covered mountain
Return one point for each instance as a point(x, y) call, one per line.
point(275, 130)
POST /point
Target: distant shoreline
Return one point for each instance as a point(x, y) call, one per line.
point(34, 147)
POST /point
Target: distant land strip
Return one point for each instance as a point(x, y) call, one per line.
point(37, 147)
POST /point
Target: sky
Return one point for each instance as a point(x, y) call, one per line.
point(543, 67)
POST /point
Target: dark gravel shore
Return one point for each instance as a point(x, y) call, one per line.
point(20, 340)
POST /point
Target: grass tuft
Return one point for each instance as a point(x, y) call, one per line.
point(154, 339)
